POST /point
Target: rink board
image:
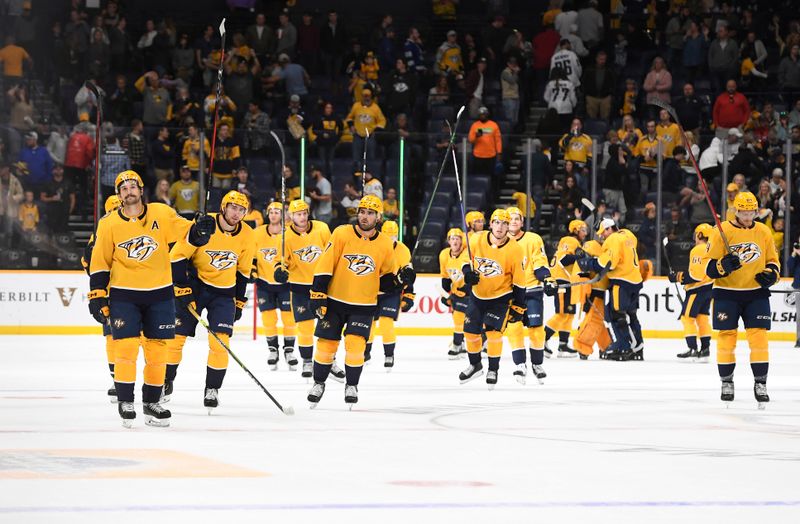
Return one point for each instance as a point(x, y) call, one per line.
point(54, 302)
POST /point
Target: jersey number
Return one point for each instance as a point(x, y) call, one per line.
point(565, 65)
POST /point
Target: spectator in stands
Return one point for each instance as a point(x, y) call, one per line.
point(308, 42)
point(657, 83)
point(566, 59)
point(690, 109)
point(509, 85)
point(163, 156)
point(113, 160)
point(629, 135)
point(764, 194)
point(648, 151)
point(753, 56)
point(723, 59)
point(369, 67)
point(599, 82)
point(494, 38)
point(295, 77)
point(695, 50)
point(372, 186)
point(487, 143)
point(20, 107)
point(391, 206)
point(439, 94)
point(475, 86)
point(183, 58)
point(256, 127)
point(227, 108)
point(28, 213)
point(241, 80)
point(56, 144)
point(76, 31)
point(37, 158)
point(675, 31)
point(185, 194)
point(157, 101)
point(365, 116)
point(668, 133)
point(777, 183)
point(414, 52)
point(789, 74)
point(569, 201)
point(560, 94)
point(350, 202)
point(567, 24)
point(616, 177)
point(98, 57)
point(121, 45)
point(287, 35)
point(207, 56)
point(120, 103)
point(186, 111)
point(261, 38)
point(593, 219)
point(321, 196)
point(401, 128)
point(293, 119)
point(292, 183)
point(333, 43)
point(80, 153)
point(677, 229)
point(161, 192)
point(590, 25)
point(134, 143)
point(449, 61)
point(13, 58)
point(576, 145)
point(544, 46)
point(400, 90)
point(145, 43)
point(244, 185)
point(672, 175)
point(227, 158)
point(695, 201)
point(327, 129)
point(11, 194)
point(731, 110)
point(541, 176)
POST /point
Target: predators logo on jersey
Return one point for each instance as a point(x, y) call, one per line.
point(488, 267)
point(308, 254)
point(747, 251)
point(222, 260)
point(360, 264)
point(455, 274)
point(139, 248)
point(269, 253)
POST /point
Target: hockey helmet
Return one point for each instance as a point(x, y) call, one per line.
point(472, 216)
point(455, 232)
point(372, 203)
point(112, 203)
point(501, 215)
point(576, 225)
point(514, 210)
point(390, 228)
point(274, 205)
point(593, 248)
point(128, 175)
point(298, 205)
point(745, 201)
point(236, 198)
point(703, 229)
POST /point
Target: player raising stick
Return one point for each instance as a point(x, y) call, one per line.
point(451, 260)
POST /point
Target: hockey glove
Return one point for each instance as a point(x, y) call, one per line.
point(515, 313)
point(579, 252)
point(407, 276)
point(728, 264)
point(767, 278)
point(589, 264)
point(98, 305)
point(471, 277)
point(202, 229)
point(446, 301)
point(185, 297)
point(240, 303)
point(407, 302)
point(674, 276)
point(550, 286)
point(459, 293)
point(319, 303)
point(281, 275)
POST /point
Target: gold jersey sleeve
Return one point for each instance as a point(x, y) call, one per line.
point(402, 255)
point(303, 251)
point(267, 253)
point(619, 250)
point(566, 246)
point(225, 254)
point(500, 267)
point(135, 251)
point(450, 267)
point(754, 247)
point(595, 249)
point(355, 265)
point(534, 257)
point(697, 268)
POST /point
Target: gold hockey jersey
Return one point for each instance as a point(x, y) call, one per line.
point(619, 249)
point(534, 256)
point(450, 267)
point(303, 251)
point(566, 246)
point(267, 253)
point(697, 268)
point(754, 247)
point(500, 267)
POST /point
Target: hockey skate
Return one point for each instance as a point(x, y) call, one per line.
point(127, 412)
point(156, 415)
point(726, 394)
point(491, 379)
point(548, 351)
point(308, 369)
point(703, 354)
point(760, 392)
point(637, 353)
point(689, 353)
point(388, 363)
point(583, 357)
point(166, 393)
point(520, 372)
point(564, 351)
point(272, 359)
point(470, 373)
point(455, 352)
point(315, 394)
point(112, 394)
point(336, 373)
point(538, 370)
point(350, 396)
point(211, 399)
point(288, 355)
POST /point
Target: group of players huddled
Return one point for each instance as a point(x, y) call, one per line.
point(152, 273)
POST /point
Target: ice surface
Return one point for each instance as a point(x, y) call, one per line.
point(599, 441)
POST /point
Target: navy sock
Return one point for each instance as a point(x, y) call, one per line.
point(691, 342)
point(306, 352)
point(760, 370)
point(458, 339)
point(548, 333)
point(474, 359)
point(494, 363)
point(388, 349)
point(214, 377)
point(518, 355)
point(726, 372)
point(352, 374)
point(537, 356)
point(172, 372)
point(272, 342)
point(321, 372)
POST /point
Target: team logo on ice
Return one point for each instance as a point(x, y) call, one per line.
point(222, 260)
point(140, 248)
point(488, 267)
point(308, 254)
point(269, 253)
point(360, 264)
point(747, 252)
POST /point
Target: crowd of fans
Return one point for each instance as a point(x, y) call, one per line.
point(731, 70)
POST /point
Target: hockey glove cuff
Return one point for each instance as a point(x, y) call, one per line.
point(550, 286)
point(515, 313)
point(202, 229)
point(240, 303)
point(407, 302)
point(98, 305)
point(471, 277)
point(319, 303)
point(185, 297)
point(281, 275)
point(728, 264)
point(767, 278)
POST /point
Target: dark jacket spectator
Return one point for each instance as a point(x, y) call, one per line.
point(261, 37)
point(120, 102)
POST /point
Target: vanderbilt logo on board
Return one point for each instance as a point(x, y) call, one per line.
point(66, 295)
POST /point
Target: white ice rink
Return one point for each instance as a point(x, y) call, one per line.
point(636, 442)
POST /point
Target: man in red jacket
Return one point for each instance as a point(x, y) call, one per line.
point(80, 153)
point(730, 110)
point(544, 45)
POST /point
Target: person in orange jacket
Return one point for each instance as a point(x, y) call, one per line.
point(487, 144)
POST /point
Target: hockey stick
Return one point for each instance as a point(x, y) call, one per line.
point(364, 164)
point(460, 196)
point(98, 146)
point(588, 203)
point(671, 110)
point(288, 410)
point(216, 115)
point(438, 179)
point(592, 280)
point(283, 193)
point(665, 243)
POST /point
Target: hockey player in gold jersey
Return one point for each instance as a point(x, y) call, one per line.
point(305, 241)
point(593, 329)
point(273, 296)
point(564, 270)
point(214, 279)
point(131, 286)
point(537, 282)
point(620, 261)
point(358, 262)
point(742, 277)
point(696, 305)
point(497, 295)
point(451, 261)
point(391, 304)
point(475, 223)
